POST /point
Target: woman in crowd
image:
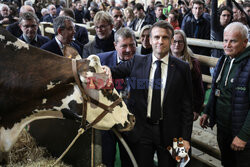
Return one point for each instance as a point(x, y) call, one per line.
point(145, 47)
point(180, 50)
point(129, 16)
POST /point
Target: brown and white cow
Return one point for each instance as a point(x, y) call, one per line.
point(36, 84)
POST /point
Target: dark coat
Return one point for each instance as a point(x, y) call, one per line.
point(149, 19)
point(48, 18)
point(81, 36)
point(177, 103)
point(40, 40)
point(53, 47)
point(240, 95)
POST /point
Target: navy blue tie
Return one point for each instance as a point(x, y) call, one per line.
point(156, 95)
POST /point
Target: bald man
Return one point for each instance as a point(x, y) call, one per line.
point(228, 105)
point(14, 28)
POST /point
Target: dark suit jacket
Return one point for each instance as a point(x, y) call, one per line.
point(15, 30)
point(81, 36)
point(40, 40)
point(48, 18)
point(177, 104)
point(149, 19)
point(53, 47)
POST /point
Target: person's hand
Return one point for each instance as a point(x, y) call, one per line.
point(203, 121)
point(186, 145)
point(196, 116)
point(109, 74)
point(238, 144)
point(6, 20)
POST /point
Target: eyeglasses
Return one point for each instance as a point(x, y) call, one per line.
point(29, 26)
point(180, 42)
point(101, 27)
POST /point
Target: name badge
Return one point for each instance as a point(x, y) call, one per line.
point(217, 92)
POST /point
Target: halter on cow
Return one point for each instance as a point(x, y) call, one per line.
point(35, 84)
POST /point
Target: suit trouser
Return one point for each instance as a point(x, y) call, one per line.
point(108, 147)
point(229, 157)
point(144, 149)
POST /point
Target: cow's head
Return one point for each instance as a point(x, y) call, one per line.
point(95, 85)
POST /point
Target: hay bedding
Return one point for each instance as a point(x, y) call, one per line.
point(26, 153)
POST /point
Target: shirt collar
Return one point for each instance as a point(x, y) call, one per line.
point(59, 43)
point(164, 59)
point(29, 40)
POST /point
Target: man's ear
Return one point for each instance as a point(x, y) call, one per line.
point(245, 42)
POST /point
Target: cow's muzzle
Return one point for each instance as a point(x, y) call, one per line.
point(127, 126)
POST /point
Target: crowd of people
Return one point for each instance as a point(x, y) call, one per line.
point(159, 80)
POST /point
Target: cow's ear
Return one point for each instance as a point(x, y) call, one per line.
point(59, 31)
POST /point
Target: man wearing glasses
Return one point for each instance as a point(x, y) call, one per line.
point(104, 39)
point(28, 23)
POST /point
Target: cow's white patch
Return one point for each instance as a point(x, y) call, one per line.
point(119, 114)
point(8, 137)
point(44, 101)
point(18, 44)
point(2, 37)
point(76, 96)
point(52, 85)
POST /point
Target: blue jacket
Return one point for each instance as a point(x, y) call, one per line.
point(108, 58)
point(240, 99)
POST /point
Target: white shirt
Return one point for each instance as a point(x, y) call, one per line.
point(164, 71)
point(60, 44)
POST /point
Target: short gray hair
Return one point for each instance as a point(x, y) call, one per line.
point(28, 2)
point(241, 28)
point(124, 33)
point(28, 16)
point(59, 22)
point(50, 6)
point(44, 10)
point(4, 5)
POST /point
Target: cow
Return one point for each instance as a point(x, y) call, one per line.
point(36, 84)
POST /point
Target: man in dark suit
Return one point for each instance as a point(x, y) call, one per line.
point(60, 7)
point(29, 25)
point(125, 45)
point(141, 18)
point(81, 36)
point(64, 31)
point(52, 14)
point(163, 108)
point(14, 28)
